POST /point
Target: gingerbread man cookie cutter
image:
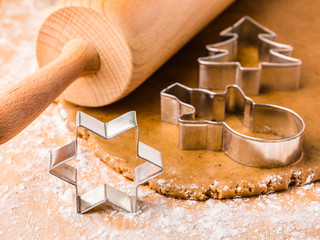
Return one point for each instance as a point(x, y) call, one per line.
point(200, 115)
point(105, 193)
point(276, 70)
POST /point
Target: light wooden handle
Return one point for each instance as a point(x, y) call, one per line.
point(126, 40)
point(23, 102)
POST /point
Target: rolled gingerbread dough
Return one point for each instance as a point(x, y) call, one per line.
point(193, 174)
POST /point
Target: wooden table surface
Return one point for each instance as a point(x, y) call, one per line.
point(36, 205)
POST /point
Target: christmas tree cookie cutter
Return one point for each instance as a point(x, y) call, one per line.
point(105, 193)
point(275, 69)
point(200, 115)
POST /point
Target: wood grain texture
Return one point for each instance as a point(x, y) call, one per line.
point(134, 38)
point(23, 102)
point(128, 40)
point(32, 203)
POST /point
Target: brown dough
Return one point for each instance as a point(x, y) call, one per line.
point(204, 174)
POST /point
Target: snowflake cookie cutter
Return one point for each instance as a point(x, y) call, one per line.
point(200, 115)
point(276, 70)
point(105, 193)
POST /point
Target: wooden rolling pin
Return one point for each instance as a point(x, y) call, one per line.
point(109, 46)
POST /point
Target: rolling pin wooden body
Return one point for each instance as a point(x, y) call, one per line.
point(109, 47)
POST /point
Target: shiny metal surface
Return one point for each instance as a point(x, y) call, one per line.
point(276, 70)
point(106, 193)
point(200, 116)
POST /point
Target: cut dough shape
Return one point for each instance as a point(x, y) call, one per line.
point(205, 174)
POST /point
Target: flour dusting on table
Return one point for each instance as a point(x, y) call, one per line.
point(32, 199)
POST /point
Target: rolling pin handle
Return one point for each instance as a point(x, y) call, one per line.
point(27, 99)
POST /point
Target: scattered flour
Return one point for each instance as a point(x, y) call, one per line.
point(287, 215)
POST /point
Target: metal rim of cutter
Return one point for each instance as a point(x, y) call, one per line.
point(276, 69)
point(152, 168)
point(181, 105)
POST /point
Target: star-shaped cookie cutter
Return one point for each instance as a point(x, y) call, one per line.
point(200, 115)
point(274, 69)
point(105, 193)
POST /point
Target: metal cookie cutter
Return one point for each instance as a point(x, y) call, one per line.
point(273, 67)
point(184, 106)
point(106, 193)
